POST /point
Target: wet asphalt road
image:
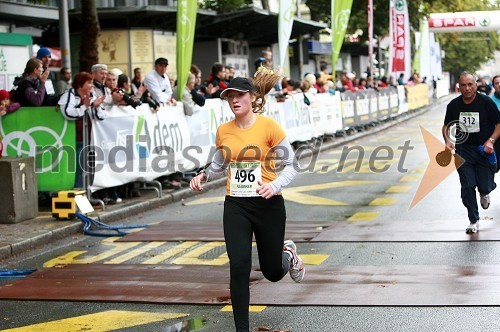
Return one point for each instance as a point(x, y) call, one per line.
point(311, 199)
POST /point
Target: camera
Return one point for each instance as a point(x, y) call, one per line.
point(129, 100)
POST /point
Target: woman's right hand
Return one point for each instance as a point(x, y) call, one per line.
point(195, 183)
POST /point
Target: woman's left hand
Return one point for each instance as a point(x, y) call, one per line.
point(265, 190)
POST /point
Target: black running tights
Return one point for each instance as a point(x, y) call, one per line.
point(245, 217)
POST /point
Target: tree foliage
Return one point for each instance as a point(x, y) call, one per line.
point(463, 51)
point(225, 5)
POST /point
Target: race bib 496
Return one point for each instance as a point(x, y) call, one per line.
point(244, 177)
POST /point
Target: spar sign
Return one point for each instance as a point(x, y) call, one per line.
point(465, 21)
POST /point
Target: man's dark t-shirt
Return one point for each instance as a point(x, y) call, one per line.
point(478, 118)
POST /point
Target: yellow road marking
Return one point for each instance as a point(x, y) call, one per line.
point(382, 201)
point(296, 194)
point(359, 216)
point(192, 257)
point(171, 252)
point(99, 322)
point(134, 253)
point(69, 258)
point(252, 308)
point(410, 178)
point(205, 200)
point(313, 259)
point(398, 189)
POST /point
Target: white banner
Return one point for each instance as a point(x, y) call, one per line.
point(465, 21)
point(285, 24)
point(138, 145)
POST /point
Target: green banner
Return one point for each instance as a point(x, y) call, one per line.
point(341, 11)
point(43, 133)
point(186, 23)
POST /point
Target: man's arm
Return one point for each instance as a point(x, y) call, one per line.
point(447, 142)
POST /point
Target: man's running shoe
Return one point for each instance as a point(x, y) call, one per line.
point(485, 201)
point(297, 268)
point(472, 228)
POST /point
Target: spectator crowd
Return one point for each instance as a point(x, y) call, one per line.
point(89, 93)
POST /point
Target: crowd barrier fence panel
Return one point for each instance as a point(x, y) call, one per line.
point(139, 145)
point(43, 133)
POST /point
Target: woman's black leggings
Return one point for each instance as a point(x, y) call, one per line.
point(243, 218)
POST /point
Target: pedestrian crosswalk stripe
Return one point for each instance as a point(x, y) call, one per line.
point(252, 308)
point(171, 252)
point(205, 200)
point(313, 259)
point(358, 216)
point(410, 178)
point(383, 201)
point(193, 257)
point(100, 322)
point(398, 189)
point(135, 252)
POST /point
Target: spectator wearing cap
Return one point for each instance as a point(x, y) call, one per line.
point(45, 56)
point(158, 82)
point(99, 73)
point(348, 81)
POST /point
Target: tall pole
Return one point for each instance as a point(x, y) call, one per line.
point(301, 51)
point(370, 37)
point(64, 34)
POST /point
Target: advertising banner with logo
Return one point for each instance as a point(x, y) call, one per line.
point(465, 21)
point(341, 11)
point(399, 47)
point(138, 145)
point(43, 133)
point(186, 23)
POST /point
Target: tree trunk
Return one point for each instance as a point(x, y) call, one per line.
point(89, 43)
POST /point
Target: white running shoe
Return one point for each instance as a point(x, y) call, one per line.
point(297, 269)
point(472, 228)
point(485, 201)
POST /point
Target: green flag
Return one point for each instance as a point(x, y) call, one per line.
point(341, 10)
point(186, 22)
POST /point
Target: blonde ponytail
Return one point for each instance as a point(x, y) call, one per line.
point(263, 81)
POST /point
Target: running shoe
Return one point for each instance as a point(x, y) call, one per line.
point(297, 268)
point(485, 201)
point(472, 228)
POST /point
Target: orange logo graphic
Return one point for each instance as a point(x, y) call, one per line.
point(440, 166)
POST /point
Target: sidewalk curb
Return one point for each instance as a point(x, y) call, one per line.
point(73, 228)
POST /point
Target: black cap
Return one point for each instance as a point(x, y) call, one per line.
point(240, 84)
point(161, 61)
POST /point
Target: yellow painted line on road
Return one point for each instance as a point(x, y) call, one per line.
point(193, 257)
point(205, 200)
point(252, 308)
point(383, 201)
point(99, 322)
point(313, 259)
point(302, 198)
point(70, 257)
point(410, 178)
point(398, 189)
point(171, 252)
point(368, 216)
point(296, 194)
point(134, 253)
